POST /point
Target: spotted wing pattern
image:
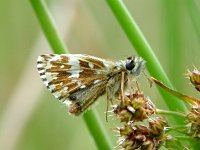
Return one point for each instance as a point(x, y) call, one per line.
point(67, 74)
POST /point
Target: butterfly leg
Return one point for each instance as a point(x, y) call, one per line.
point(149, 79)
point(122, 86)
point(112, 89)
point(138, 86)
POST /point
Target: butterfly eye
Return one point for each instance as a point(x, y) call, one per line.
point(130, 65)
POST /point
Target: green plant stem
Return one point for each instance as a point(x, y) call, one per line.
point(172, 31)
point(49, 27)
point(180, 129)
point(167, 112)
point(91, 118)
point(102, 140)
point(137, 39)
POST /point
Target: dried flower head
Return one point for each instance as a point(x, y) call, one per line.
point(134, 107)
point(132, 137)
point(194, 77)
point(193, 117)
point(142, 137)
point(156, 126)
point(194, 122)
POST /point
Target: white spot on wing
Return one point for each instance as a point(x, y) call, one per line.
point(65, 89)
point(40, 65)
point(48, 65)
point(46, 83)
point(75, 73)
point(74, 76)
point(78, 83)
point(91, 65)
point(51, 87)
point(96, 81)
point(67, 102)
point(49, 76)
point(57, 95)
point(41, 71)
point(55, 58)
point(73, 61)
point(40, 58)
point(83, 86)
point(62, 66)
point(43, 76)
point(74, 67)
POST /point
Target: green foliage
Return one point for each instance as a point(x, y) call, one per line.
point(170, 27)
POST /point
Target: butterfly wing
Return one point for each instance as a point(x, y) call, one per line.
point(83, 98)
point(66, 74)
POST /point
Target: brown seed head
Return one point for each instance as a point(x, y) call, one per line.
point(135, 107)
point(195, 78)
point(139, 137)
point(131, 136)
point(194, 122)
point(156, 126)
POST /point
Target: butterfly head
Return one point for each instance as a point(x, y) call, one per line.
point(135, 65)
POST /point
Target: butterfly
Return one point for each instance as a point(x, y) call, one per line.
point(79, 79)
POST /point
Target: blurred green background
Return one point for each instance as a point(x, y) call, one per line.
point(30, 117)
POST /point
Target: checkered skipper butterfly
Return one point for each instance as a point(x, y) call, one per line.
point(79, 79)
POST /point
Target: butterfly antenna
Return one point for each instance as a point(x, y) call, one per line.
point(149, 79)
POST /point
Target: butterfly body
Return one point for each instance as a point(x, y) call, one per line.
point(79, 79)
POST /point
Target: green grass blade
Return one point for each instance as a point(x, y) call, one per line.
point(49, 27)
point(142, 47)
point(91, 118)
point(173, 39)
point(101, 139)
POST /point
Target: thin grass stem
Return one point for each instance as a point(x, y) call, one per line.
point(168, 112)
point(91, 118)
point(49, 27)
